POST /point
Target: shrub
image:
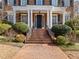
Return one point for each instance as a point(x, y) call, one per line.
point(73, 23)
point(6, 39)
point(61, 29)
point(21, 27)
point(7, 22)
point(2, 38)
point(70, 44)
point(77, 32)
point(70, 23)
point(61, 40)
point(20, 38)
point(4, 27)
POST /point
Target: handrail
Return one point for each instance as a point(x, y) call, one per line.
point(51, 33)
point(29, 33)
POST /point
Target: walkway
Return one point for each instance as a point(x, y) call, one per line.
point(40, 51)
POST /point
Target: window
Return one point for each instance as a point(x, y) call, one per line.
point(24, 18)
point(17, 2)
point(10, 18)
point(67, 17)
point(5, 1)
point(66, 3)
point(11, 2)
point(0, 5)
point(54, 20)
point(54, 3)
point(39, 2)
point(23, 2)
point(77, 11)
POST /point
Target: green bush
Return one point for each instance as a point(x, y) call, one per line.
point(4, 27)
point(7, 22)
point(2, 38)
point(61, 29)
point(73, 23)
point(77, 32)
point(20, 38)
point(70, 23)
point(21, 27)
point(70, 44)
point(61, 40)
point(6, 39)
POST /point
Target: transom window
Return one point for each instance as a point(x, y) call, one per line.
point(39, 2)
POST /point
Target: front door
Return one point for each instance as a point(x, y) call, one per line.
point(39, 21)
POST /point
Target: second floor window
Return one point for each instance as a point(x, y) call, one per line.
point(23, 2)
point(39, 2)
point(54, 3)
point(67, 3)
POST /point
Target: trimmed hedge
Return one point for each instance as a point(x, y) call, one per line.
point(61, 29)
point(61, 40)
point(21, 27)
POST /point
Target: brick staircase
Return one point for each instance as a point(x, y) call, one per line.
point(39, 36)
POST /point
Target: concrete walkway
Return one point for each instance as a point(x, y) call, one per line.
point(40, 51)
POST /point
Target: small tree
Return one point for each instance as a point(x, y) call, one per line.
point(73, 23)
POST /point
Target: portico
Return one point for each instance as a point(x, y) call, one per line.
point(41, 16)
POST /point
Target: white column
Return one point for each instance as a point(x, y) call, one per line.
point(31, 19)
point(28, 18)
point(63, 18)
point(14, 19)
point(48, 18)
point(8, 15)
point(21, 2)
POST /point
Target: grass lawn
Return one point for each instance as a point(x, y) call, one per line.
point(71, 51)
point(70, 48)
point(13, 44)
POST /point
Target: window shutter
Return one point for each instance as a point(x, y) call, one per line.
point(50, 2)
point(34, 2)
point(43, 2)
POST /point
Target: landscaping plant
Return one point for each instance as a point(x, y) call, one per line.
point(4, 27)
point(61, 40)
point(61, 29)
point(20, 38)
point(21, 27)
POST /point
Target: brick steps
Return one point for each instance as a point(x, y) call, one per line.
point(39, 36)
